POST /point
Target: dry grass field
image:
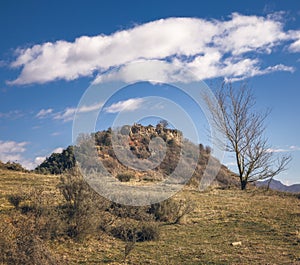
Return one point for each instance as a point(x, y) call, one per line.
point(267, 225)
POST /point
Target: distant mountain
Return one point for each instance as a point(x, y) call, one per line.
point(277, 185)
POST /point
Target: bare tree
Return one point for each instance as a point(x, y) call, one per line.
point(244, 127)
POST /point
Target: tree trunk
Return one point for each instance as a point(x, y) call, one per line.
point(269, 183)
point(243, 184)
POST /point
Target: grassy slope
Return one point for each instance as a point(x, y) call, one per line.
point(267, 224)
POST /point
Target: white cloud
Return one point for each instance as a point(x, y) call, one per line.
point(55, 133)
point(209, 48)
point(126, 105)
point(38, 160)
point(147, 70)
point(11, 115)
point(58, 150)
point(291, 148)
point(230, 164)
point(277, 150)
point(68, 113)
point(93, 107)
point(12, 151)
point(286, 182)
point(295, 46)
point(294, 148)
point(12, 147)
point(43, 113)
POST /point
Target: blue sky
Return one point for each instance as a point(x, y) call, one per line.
point(52, 51)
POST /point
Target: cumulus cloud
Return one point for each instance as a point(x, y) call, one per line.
point(12, 147)
point(126, 105)
point(12, 151)
point(295, 46)
point(294, 36)
point(209, 48)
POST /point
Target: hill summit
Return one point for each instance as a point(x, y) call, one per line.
point(136, 142)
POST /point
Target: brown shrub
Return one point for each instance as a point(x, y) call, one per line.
point(171, 211)
point(15, 199)
point(130, 231)
point(82, 206)
point(125, 177)
point(20, 243)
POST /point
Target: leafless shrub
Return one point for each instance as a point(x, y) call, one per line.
point(171, 211)
point(136, 231)
point(39, 205)
point(133, 212)
point(83, 206)
point(20, 244)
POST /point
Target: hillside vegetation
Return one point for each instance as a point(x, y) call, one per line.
point(266, 223)
point(54, 217)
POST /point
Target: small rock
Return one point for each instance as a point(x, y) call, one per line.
point(238, 243)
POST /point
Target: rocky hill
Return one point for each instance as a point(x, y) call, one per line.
point(137, 143)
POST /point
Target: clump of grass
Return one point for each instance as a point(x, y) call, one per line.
point(16, 199)
point(125, 177)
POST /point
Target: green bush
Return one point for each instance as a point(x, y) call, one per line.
point(12, 166)
point(58, 163)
